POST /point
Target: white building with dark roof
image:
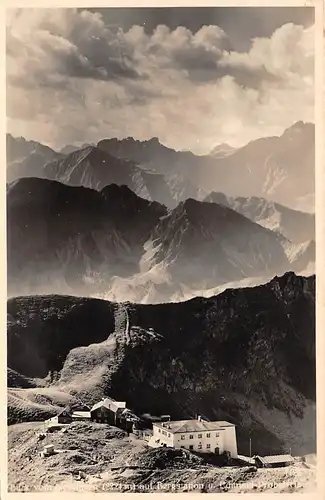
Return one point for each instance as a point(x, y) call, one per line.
point(197, 435)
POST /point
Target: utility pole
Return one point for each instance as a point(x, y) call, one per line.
point(250, 446)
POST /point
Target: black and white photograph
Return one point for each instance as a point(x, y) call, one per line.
point(160, 212)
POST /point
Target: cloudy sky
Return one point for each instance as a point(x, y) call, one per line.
point(191, 77)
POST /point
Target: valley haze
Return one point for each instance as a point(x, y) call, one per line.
point(161, 249)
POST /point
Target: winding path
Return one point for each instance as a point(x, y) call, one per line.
point(122, 324)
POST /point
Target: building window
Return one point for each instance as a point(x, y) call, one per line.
point(208, 435)
point(199, 435)
point(208, 445)
point(159, 430)
point(217, 434)
point(200, 446)
point(191, 436)
point(191, 447)
point(169, 434)
point(182, 436)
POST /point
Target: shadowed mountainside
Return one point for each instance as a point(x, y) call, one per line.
point(81, 233)
point(242, 355)
point(208, 244)
point(88, 243)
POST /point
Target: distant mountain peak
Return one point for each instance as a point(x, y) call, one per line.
point(153, 140)
point(118, 191)
point(18, 149)
point(193, 206)
point(96, 157)
point(207, 220)
point(297, 226)
point(222, 150)
point(130, 140)
point(300, 127)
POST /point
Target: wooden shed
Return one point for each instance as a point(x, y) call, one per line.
point(274, 461)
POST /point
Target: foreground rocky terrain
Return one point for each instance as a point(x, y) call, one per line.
point(99, 458)
point(242, 356)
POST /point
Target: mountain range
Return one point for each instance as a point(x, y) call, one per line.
point(279, 168)
point(27, 158)
point(93, 167)
point(295, 225)
point(245, 355)
point(146, 228)
point(80, 232)
point(89, 242)
point(18, 149)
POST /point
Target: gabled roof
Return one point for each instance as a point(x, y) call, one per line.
point(183, 426)
point(65, 411)
point(85, 414)
point(275, 459)
point(110, 404)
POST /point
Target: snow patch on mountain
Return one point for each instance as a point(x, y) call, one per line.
point(301, 256)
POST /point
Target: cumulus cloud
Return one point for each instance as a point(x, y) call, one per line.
point(72, 78)
point(69, 44)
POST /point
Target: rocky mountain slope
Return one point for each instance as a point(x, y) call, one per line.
point(62, 238)
point(18, 148)
point(94, 168)
point(100, 458)
point(256, 365)
point(27, 158)
point(277, 168)
point(89, 242)
point(302, 257)
point(150, 153)
point(70, 148)
point(295, 225)
point(281, 169)
point(205, 244)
